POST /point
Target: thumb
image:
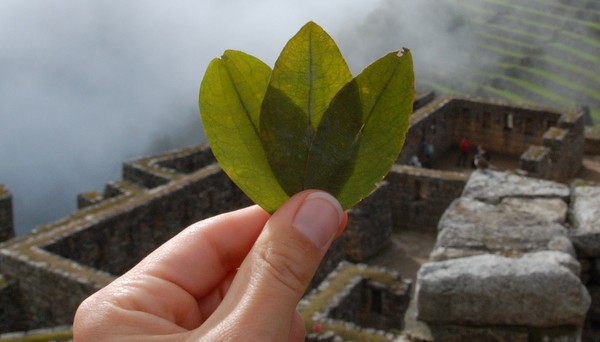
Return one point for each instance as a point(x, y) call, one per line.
point(274, 276)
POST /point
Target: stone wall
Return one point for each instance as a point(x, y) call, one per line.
point(356, 303)
point(560, 157)
point(369, 225)
point(7, 230)
point(498, 126)
point(11, 318)
point(431, 125)
point(584, 215)
point(503, 267)
point(592, 140)
point(60, 264)
point(501, 127)
point(420, 196)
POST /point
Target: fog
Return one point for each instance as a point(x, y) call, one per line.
point(85, 85)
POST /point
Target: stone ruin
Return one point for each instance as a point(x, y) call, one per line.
point(505, 264)
point(515, 257)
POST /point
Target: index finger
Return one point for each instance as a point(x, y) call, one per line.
point(202, 255)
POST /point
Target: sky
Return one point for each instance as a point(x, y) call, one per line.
point(86, 85)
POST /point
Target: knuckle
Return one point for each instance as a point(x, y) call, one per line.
point(285, 263)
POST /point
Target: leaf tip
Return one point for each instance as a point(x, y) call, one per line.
point(400, 52)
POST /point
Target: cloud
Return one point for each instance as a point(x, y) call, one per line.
point(88, 84)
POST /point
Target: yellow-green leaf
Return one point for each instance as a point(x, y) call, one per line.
point(230, 99)
point(308, 73)
point(307, 123)
point(386, 91)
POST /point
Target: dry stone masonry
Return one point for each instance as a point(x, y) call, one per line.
point(512, 260)
point(504, 264)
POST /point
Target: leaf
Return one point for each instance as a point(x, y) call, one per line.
point(387, 89)
point(363, 130)
point(231, 94)
point(307, 123)
point(308, 73)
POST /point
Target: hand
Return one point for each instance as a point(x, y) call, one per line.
point(233, 277)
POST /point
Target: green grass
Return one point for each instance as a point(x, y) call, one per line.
point(580, 54)
point(501, 51)
point(574, 68)
point(592, 93)
point(437, 86)
point(54, 336)
point(320, 300)
point(582, 38)
point(508, 29)
point(503, 39)
point(473, 7)
point(547, 14)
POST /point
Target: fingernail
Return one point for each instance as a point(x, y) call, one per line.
point(318, 218)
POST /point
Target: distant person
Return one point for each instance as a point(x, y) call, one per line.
point(482, 158)
point(414, 161)
point(234, 277)
point(465, 147)
point(428, 151)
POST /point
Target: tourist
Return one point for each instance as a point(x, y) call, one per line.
point(428, 151)
point(414, 161)
point(235, 277)
point(465, 147)
point(482, 158)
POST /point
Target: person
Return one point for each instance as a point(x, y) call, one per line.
point(465, 147)
point(236, 277)
point(428, 151)
point(414, 161)
point(482, 158)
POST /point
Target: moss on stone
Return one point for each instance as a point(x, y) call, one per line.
point(534, 152)
point(43, 335)
point(592, 132)
point(335, 286)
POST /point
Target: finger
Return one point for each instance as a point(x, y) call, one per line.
point(205, 253)
point(169, 283)
point(276, 273)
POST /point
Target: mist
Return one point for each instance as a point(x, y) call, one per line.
point(86, 85)
point(434, 30)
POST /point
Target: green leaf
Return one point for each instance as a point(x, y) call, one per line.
point(231, 94)
point(308, 73)
point(307, 123)
point(363, 130)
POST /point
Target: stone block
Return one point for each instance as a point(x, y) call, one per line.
point(585, 218)
point(511, 228)
point(594, 312)
point(369, 225)
point(537, 290)
point(493, 186)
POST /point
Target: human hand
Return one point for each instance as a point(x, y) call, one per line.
point(234, 277)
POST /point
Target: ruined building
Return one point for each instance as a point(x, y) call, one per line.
point(502, 236)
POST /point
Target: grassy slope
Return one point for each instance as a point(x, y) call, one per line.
point(534, 52)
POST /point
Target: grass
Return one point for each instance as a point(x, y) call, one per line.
point(575, 52)
point(318, 301)
point(494, 37)
point(582, 38)
point(508, 29)
point(520, 8)
point(593, 132)
point(574, 68)
point(54, 336)
point(502, 51)
point(592, 93)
